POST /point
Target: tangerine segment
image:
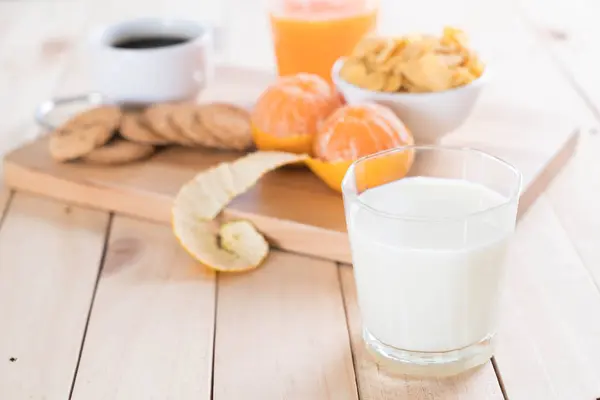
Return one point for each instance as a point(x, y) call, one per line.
point(332, 173)
point(358, 130)
point(294, 143)
point(369, 173)
point(382, 169)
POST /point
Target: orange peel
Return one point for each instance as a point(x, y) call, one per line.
point(384, 168)
point(369, 173)
point(332, 173)
point(237, 246)
point(292, 143)
point(210, 191)
point(242, 238)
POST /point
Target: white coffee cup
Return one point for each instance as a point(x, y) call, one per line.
point(154, 74)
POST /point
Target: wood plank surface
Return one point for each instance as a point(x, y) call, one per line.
point(569, 31)
point(37, 39)
point(375, 384)
point(150, 334)
point(550, 322)
point(572, 200)
point(5, 195)
point(76, 78)
point(281, 333)
point(575, 196)
point(49, 259)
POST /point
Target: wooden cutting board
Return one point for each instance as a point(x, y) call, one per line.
point(292, 207)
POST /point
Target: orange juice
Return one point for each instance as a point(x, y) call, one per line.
point(310, 35)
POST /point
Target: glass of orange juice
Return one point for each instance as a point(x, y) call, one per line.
point(310, 35)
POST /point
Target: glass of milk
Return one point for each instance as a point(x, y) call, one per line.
point(428, 251)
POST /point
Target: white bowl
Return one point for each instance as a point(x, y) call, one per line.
point(429, 116)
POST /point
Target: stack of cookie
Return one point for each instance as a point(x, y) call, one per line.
point(109, 135)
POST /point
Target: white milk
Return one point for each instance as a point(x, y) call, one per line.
point(429, 286)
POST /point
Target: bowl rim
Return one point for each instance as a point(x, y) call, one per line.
point(338, 81)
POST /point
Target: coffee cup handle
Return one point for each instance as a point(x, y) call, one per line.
point(207, 56)
point(44, 110)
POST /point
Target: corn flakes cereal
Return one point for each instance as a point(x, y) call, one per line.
point(375, 80)
point(414, 63)
point(393, 83)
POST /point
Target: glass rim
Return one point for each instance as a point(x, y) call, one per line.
point(354, 195)
point(274, 8)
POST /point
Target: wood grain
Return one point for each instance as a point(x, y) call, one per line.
point(570, 212)
point(49, 259)
point(575, 196)
point(150, 334)
point(76, 77)
point(281, 333)
point(5, 195)
point(568, 31)
point(575, 193)
point(375, 384)
point(37, 41)
point(548, 341)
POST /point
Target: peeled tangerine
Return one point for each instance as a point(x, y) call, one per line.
point(288, 113)
point(355, 131)
point(234, 246)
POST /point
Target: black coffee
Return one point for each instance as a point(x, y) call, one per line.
point(149, 42)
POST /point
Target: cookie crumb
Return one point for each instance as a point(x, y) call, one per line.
point(13, 359)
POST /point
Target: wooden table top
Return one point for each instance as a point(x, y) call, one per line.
point(101, 306)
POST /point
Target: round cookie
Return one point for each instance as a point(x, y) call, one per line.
point(134, 128)
point(119, 151)
point(84, 132)
point(109, 116)
point(186, 119)
point(159, 119)
point(73, 143)
point(228, 123)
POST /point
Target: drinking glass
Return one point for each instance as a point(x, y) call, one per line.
point(428, 250)
point(310, 35)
